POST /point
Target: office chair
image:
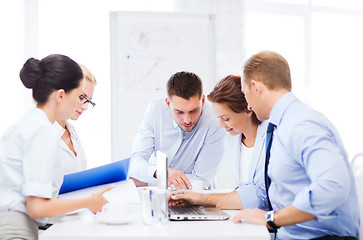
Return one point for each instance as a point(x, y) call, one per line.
point(357, 167)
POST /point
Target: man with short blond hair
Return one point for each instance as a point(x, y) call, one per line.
point(311, 191)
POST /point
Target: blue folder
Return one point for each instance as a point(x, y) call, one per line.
point(109, 173)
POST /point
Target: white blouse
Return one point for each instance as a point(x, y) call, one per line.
point(29, 165)
point(70, 162)
point(256, 159)
point(245, 163)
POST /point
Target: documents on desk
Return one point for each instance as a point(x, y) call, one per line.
point(124, 191)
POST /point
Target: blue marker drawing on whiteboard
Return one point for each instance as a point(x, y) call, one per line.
point(142, 79)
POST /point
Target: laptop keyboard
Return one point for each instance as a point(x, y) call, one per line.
point(185, 210)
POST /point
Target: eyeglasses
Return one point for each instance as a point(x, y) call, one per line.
point(84, 100)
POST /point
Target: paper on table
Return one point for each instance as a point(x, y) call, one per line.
point(124, 191)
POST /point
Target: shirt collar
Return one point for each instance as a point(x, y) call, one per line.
point(280, 107)
point(262, 128)
point(59, 128)
point(70, 129)
point(175, 124)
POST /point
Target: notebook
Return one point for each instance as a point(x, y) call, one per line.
point(179, 213)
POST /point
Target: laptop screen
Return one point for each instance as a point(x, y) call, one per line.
point(162, 170)
point(178, 212)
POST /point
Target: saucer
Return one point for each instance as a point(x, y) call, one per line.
point(113, 220)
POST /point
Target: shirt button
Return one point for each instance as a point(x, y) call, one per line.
point(274, 205)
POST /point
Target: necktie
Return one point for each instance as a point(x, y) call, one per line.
point(270, 130)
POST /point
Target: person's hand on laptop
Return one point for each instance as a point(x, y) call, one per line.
point(178, 180)
point(185, 197)
point(180, 202)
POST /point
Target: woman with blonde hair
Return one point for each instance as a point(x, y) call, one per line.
point(72, 154)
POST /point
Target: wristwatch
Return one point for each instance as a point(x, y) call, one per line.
point(269, 217)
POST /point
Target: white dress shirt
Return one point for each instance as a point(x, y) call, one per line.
point(28, 162)
point(245, 163)
point(233, 145)
point(198, 156)
point(71, 163)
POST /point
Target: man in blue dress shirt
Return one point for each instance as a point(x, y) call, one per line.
point(185, 128)
point(312, 192)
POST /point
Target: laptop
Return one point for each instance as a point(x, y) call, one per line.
point(180, 213)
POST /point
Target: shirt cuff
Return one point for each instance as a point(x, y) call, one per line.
point(302, 203)
point(150, 174)
point(38, 190)
point(248, 196)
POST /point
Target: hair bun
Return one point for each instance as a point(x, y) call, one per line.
point(31, 72)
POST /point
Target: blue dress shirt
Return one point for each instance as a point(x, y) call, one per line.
point(309, 169)
point(198, 156)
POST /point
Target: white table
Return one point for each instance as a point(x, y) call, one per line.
point(84, 226)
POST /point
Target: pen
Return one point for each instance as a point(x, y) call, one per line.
point(151, 203)
point(174, 188)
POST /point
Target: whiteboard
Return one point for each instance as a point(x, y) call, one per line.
point(146, 49)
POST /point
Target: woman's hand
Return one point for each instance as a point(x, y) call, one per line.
point(97, 200)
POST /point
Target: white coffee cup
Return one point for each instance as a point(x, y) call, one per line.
point(115, 210)
point(197, 185)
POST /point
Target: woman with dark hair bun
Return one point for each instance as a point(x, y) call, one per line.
point(244, 145)
point(30, 171)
